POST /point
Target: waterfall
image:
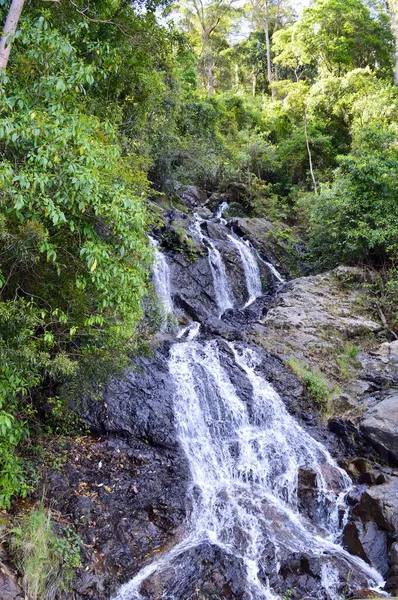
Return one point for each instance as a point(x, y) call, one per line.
point(222, 287)
point(250, 267)
point(220, 210)
point(271, 267)
point(244, 458)
point(161, 278)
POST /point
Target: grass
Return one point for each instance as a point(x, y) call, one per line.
point(46, 560)
point(348, 361)
point(313, 382)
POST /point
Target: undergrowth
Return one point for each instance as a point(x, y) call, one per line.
point(46, 558)
point(313, 382)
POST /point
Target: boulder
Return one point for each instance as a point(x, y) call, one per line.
point(369, 542)
point(380, 426)
point(192, 196)
point(313, 304)
point(380, 504)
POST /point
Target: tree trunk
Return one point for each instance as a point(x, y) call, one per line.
point(307, 141)
point(393, 13)
point(209, 65)
point(254, 85)
point(9, 30)
point(268, 47)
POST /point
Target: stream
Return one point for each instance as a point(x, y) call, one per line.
point(245, 452)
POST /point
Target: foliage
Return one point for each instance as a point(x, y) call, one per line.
point(75, 255)
point(46, 559)
point(347, 361)
point(355, 218)
point(313, 382)
point(336, 36)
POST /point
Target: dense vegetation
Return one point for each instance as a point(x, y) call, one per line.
point(106, 107)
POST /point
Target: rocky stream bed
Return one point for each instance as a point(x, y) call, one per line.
point(210, 473)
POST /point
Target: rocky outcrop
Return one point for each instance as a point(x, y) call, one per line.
point(372, 532)
point(312, 305)
point(272, 245)
point(127, 501)
point(380, 426)
point(138, 405)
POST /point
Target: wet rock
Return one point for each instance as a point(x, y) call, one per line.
point(194, 282)
point(138, 404)
point(307, 493)
point(127, 501)
point(203, 572)
point(369, 542)
point(380, 426)
point(276, 250)
point(392, 585)
point(380, 504)
point(393, 557)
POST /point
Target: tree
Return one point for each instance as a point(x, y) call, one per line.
point(9, 30)
point(337, 36)
point(268, 16)
point(205, 21)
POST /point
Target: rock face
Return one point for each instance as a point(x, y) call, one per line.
point(308, 304)
point(128, 501)
point(9, 587)
point(372, 532)
point(139, 405)
point(380, 426)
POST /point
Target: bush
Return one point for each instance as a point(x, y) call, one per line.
point(355, 218)
point(46, 560)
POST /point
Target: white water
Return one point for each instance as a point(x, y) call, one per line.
point(250, 268)
point(220, 210)
point(244, 458)
point(189, 332)
point(161, 278)
point(222, 287)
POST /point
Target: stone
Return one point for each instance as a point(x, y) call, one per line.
point(394, 554)
point(9, 586)
point(380, 426)
point(310, 303)
point(192, 195)
point(369, 542)
point(380, 504)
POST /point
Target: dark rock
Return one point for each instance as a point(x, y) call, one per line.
point(9, 586)
point(380, 426)
point(138, 405)
point(392, 585)
point(204, 572)
point(128, 500)
point(369, 542)
point(307, 492)
point(380, 504)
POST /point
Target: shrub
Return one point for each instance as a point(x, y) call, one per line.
point(46, 559)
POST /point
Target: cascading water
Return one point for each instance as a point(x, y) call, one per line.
point(161, 278)
point(222, 287)
point(245, 456)
point(220, 210)
point(250, 268)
